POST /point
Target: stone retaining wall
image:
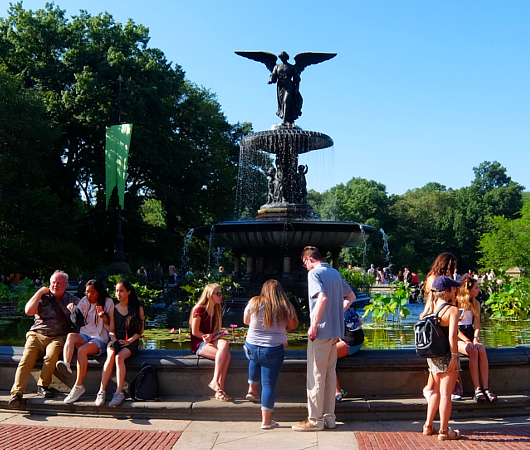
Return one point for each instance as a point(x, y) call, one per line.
point(368, 374)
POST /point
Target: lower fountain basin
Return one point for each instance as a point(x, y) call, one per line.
point(288, 234)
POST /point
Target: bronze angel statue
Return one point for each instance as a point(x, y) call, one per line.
point(287, 78)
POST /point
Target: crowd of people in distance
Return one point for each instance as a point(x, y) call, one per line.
point(335, 331)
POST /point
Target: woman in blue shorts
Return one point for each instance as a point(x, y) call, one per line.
point(98, 309)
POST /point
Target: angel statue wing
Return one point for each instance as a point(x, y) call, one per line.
point(302, 60)
point(267, 58)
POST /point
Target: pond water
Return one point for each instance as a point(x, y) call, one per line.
point(389, 335)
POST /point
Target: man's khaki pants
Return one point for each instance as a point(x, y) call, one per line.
point(37, 346)
point(321, 381)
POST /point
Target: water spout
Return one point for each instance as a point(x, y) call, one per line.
point(385, 245)
point(184, 260)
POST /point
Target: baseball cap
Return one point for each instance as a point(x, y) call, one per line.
point(444, 282)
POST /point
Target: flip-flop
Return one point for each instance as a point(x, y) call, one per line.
point(252, 398)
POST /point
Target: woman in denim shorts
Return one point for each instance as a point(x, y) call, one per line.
point(98, 309)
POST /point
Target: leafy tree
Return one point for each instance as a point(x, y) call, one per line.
point(492, 193)
point(508, 243)
point(90, 72)
point(421, 226)
point(359, 200)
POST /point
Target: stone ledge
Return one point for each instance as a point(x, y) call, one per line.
point(377, 373)
point(205, 408)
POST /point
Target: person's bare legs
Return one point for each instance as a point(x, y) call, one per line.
point(430, 384)
point(222, 359)
point(90, 348)
point(221, 356)
point(73, 341)
point(469, 349)
point(483, 366)
point(434, 400)
point(253, 389)
point(122, 355)
point(447, 386)
point(107, 369)
point(266, 417)
point(342, 351)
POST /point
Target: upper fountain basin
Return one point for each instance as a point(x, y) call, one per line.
point(287, 138)
point(288, 234)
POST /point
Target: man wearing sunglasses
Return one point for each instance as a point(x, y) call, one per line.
point(329, 297)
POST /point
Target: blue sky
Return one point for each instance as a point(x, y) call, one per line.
point(419, 91)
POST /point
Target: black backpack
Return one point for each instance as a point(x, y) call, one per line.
point(145, 385)
point(429, 339)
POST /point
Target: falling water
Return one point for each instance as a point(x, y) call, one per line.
point(210, 245)
point(363, 234)
point(185, 249)
point(385, 245)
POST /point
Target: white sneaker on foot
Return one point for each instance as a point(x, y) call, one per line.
point(117, 399)
point(75, 393)
point(427, 394)
point(63, 368)
point(100, 398)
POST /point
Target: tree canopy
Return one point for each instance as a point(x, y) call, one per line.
point(66, 80)
point(426, 221)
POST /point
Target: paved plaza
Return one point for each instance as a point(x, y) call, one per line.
point(39, 432)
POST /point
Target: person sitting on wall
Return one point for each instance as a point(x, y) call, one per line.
point(46, 337)
point(98, 310)
point(350, 344)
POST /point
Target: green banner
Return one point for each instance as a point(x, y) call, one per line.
point(116, 156)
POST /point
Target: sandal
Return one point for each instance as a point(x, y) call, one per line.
point(340, 394)
point(429, 430)
point(221, 396)
point(490, 395)
point(449, 435)
point(479, 396)
point(214, 386)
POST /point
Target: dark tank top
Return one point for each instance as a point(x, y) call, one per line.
point(120, 329)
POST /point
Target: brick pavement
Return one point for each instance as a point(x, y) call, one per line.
point(22, 437)
point(502, 438)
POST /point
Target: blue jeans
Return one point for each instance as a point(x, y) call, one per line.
point(267, 362)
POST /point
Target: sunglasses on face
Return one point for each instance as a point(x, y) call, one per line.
point(220, 294)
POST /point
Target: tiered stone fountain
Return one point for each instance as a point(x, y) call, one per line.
point(273, 242)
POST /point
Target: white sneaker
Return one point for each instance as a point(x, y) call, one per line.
point(117, 399)
point(427, 394)
point(63, 368)
point(100, 398)
point(75, 393)
point(456, 397)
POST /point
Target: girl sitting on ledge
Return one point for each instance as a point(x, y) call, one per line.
point(125, 332)
point(468, 340)
point(205, 323)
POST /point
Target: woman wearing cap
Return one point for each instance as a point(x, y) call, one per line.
point(469, 343)
point(444, 264)
point(444, 369)
point(205, 322)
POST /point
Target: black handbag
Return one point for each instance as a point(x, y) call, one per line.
point(429, 339)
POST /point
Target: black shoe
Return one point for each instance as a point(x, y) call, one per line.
point(15, 401)
point(44, 392)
